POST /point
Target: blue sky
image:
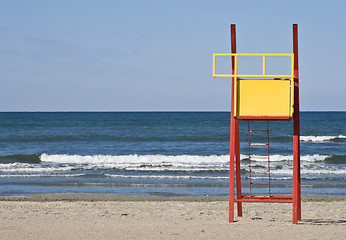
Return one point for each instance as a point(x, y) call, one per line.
point(157, 55)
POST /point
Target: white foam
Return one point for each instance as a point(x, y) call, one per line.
point(280, 164)
point(311, 171)
point(138, 159)
point(319, 139)
point(40, 175)
point(165, 176)
point(144, 162)
point(280, 158)
point(34, 168)
point(162, 160)
point(161, 163)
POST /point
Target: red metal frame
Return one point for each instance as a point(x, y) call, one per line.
point(269, 197)
point(263, 200)
point(280, 118)
point(232, 133)
point(234, 172)
point(296, 133)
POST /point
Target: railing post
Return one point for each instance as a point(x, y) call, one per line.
point(236, 122)
point(232, 135)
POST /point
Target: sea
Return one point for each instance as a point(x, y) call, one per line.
point(165, 153)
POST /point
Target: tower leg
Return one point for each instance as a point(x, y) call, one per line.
point(236, 124)
point(237, 163)
point(296, 134)
point(231, 170)
point(234, 138)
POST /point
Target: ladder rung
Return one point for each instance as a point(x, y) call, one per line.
point(259, 183)
point(259, 144)
point(258, 130)
point(259, 157)
point(259, 171)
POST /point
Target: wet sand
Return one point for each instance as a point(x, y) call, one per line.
point(112, 216)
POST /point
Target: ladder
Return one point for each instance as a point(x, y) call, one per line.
point(258, 175)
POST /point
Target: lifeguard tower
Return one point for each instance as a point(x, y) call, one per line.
point(262, 97)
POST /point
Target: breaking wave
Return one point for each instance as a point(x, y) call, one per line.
point(320, 139)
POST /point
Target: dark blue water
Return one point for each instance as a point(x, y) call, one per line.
point(162, 153)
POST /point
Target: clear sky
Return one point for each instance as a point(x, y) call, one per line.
point(150, 55)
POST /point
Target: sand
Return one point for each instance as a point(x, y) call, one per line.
point(111, 216)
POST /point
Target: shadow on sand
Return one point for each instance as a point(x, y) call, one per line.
point(323, 221)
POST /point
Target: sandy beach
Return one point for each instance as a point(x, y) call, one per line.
point(111, 216)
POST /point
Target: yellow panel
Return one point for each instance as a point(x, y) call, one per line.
point(263, 98)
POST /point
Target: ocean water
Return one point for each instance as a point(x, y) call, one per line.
point(177, 153)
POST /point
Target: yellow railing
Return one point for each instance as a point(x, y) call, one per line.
point(264, 55)
point(289, 78)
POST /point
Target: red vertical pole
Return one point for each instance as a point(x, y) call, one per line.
point(296, 133)
point(236, 124)
point(237, 163)
point(232, 137)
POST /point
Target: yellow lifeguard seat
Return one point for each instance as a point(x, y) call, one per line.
point(261, 97)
